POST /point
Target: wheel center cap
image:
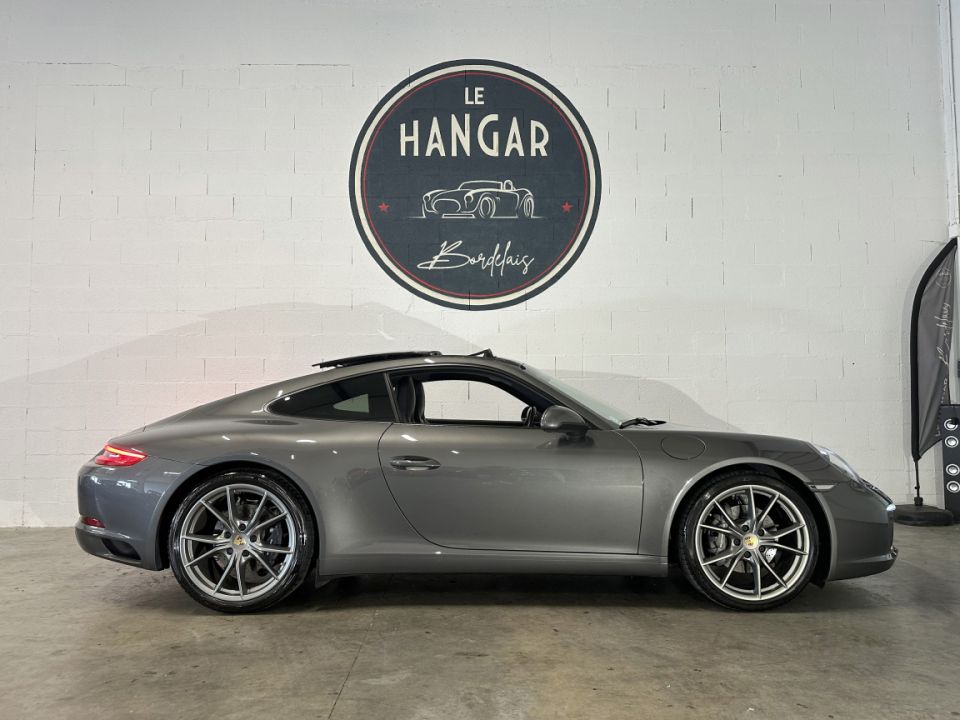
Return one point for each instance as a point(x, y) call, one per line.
point(750, 541)
point(238, 540)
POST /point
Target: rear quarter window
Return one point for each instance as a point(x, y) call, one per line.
point(360, 398)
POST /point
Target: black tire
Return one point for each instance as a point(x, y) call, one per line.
point(753, 561)
point(288, 567)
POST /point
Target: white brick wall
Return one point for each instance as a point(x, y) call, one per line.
point(174, 223)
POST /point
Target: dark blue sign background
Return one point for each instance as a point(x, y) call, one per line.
point(484, 229)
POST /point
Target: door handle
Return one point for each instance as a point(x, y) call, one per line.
point(414, 463)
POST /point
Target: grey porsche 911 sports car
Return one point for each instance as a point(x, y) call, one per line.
point(405, 463)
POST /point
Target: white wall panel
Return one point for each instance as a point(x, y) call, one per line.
point(174, 220)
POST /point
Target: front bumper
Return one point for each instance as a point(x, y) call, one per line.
point(861, 567)
point(863, 524)
point(129, 501)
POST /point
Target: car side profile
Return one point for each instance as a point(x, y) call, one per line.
point(484, 199)
point(418, 462)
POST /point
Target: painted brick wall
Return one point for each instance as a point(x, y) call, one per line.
point(174, 223)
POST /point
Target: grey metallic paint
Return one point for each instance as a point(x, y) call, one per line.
point(517, 499)
point(516, 488)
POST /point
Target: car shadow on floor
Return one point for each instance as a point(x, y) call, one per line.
point(550, 590)
point(557, 591)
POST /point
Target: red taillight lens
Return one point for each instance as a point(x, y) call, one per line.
point(92, 521)
point(114, 456)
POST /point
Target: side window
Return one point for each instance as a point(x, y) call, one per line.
point(359, 398)
point(470, 400)
point(466, 396)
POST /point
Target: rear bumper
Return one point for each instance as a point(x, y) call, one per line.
point(129, 501)
point(108, 545)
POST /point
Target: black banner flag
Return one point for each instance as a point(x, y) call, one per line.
point(931, 334)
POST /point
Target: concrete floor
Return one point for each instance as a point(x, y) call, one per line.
point(81, 637)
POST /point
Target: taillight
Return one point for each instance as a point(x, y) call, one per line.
point(114, 456)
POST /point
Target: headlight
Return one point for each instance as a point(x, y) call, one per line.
point(858, 482)
point(838, 462)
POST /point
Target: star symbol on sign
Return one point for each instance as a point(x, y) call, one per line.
point(566, 207)
point(383, 207)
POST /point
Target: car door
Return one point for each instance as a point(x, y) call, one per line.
point(469, 481)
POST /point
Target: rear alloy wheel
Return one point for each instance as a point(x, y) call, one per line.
point(748, 541)
point(241, 541)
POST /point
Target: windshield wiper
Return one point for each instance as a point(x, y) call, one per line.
point(646, 422)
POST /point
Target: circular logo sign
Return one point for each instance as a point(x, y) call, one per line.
point(475, 184)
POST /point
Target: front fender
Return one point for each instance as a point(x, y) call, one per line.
point(751, 462)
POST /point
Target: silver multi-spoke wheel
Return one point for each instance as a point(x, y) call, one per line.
point(238, 543)
point(753, 543)
point(749, 540)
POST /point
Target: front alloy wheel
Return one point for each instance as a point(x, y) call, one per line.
point(241, 541)
point(748, 542)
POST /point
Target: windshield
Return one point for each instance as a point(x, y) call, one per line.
point(477, 184)
point(605, 410)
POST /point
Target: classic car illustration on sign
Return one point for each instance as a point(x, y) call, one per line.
point(484, 141)
point(483, 199)
point(357, 469)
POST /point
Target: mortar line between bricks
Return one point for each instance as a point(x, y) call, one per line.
point(363, 643)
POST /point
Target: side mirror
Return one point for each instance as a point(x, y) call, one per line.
point(560, 419)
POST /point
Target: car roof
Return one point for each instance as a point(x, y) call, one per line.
point(341, 368)
point(397, 359)
point(375, 357)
